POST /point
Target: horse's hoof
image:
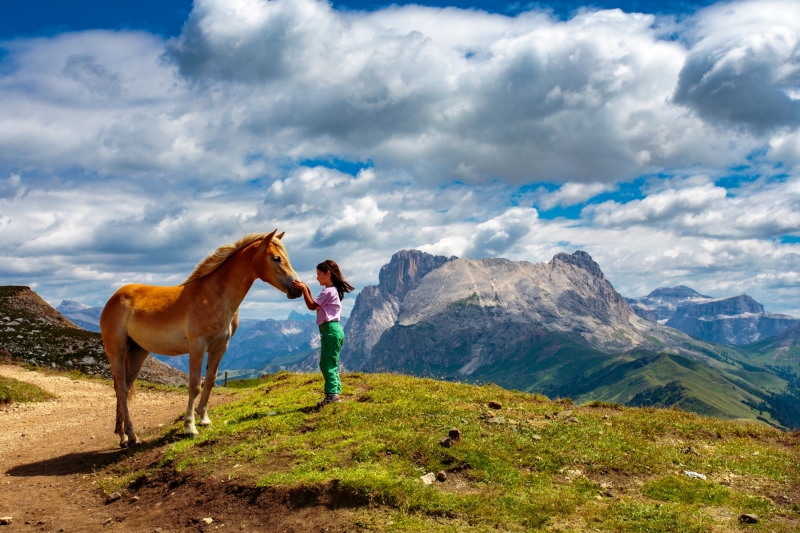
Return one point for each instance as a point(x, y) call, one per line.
point(123, 445)
point(204, 423)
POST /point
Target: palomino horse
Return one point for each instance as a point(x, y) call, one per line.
point(200, 315)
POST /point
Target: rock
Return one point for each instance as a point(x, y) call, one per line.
point(564, 414)
point(208, 521)
point(445, 442)
point(536, 437)
point(455, 434)
point(748, 519)
point(428, 478)
point(114, 496)
point(608, 493)
point(488, 414)
point(441, 476)
point(135, 499)
point(606, 417)
point(495, 405)
point(6, 520)
point(496, 420)
point(694, 475)
point(108, 521)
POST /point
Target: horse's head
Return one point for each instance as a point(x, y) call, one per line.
point(273, 266)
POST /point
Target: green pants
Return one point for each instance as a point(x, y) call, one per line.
point(332, 338)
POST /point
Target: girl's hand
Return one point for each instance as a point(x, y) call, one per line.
point(297, 284)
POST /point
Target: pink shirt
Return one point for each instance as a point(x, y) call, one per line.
point(330, 306)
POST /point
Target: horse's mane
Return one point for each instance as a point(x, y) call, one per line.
point(218, 256)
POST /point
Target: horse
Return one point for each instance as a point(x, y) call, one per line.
point(200, 315)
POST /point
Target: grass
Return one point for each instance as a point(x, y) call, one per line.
point(12, 390)
point(535, 471)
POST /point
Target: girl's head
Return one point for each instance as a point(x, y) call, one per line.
point(330, 268)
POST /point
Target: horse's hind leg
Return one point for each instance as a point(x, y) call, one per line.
point(117, 352)
point(136, 358)
point(211, 377)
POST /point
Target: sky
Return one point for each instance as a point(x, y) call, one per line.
point(661, 138)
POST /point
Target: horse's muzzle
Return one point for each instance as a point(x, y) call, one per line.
point(293, 293)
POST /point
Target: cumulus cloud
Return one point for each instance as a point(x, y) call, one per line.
point(744, 65)
point(697, 206)
point(570, 194)
point(447, 94)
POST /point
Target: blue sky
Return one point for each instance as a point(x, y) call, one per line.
point(662, 138)
point(166, 17)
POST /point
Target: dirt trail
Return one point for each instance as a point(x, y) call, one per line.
point(49, 450)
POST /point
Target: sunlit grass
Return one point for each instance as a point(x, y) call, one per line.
point(603, 467)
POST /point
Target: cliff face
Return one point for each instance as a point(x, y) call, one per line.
point(734, 320)
point(466, 314)
point(377, 307)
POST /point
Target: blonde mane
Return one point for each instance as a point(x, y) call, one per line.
point(218, 256)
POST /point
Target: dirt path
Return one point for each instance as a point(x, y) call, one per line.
point(49, 450)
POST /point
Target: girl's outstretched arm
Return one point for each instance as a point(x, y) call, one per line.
point(310, 303)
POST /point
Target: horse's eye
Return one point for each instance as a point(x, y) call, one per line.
point(277, 259)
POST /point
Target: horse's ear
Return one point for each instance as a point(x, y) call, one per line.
point(279, 237)
point(265, 242)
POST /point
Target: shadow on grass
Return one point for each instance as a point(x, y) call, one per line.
point(88, 462)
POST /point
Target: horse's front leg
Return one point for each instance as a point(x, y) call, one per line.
point(195, 368)
point(214, 359)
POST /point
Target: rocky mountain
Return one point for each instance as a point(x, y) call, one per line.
point(82, 315)
point(31, 331)
point(662, 303)
point(731, 320)
point(462, 315)
point(558, 328)
point(378, 306)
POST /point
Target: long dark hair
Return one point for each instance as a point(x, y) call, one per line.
point(336, 277)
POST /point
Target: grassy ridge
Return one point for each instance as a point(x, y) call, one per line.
point(605, 467)
point(13, 390)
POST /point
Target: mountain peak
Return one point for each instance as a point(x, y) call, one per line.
point(581, 260)
point(680, 291)
point(405, 270)
point(71, 306)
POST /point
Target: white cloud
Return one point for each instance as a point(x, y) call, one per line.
point(570, 194)
point(744, 65)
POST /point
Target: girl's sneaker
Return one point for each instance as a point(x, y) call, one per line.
point(329, 398)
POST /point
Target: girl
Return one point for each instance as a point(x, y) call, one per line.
point(328, 306)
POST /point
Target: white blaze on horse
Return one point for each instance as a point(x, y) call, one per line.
point(198, 316)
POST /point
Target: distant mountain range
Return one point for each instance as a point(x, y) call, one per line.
point(731, 320)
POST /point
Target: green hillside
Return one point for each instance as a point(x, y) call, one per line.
point(532, 465)
point(721, 382)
